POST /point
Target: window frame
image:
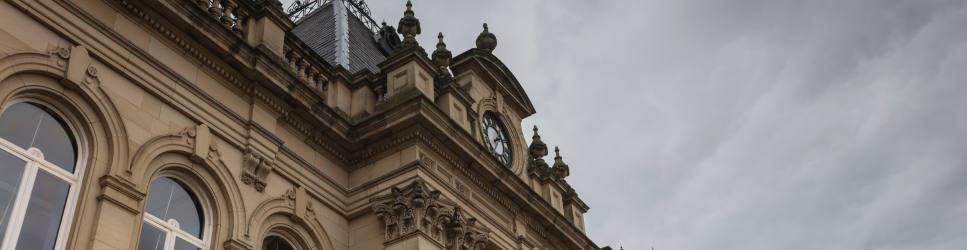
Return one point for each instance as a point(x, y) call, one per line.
point(172, 231)
point(35, 163)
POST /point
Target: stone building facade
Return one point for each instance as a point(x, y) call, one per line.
point(239, 124)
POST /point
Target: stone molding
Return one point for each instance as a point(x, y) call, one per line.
point(416, 209)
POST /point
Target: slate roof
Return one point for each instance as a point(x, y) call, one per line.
point(318, 31)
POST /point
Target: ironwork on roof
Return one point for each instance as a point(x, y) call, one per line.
point(302, 8)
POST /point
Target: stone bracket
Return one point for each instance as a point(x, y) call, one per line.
point(255, 169)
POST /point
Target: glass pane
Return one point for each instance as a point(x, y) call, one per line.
point(152, 238)
point(19, 122)
point(276, 243)
point(28, 125)
point(44, 212)
point(12, 169)
point(168, 199)
point(184, 245)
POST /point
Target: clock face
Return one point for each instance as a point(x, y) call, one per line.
point(497, 139)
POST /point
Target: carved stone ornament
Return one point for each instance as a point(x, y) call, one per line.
point(486, 40)
point(255, 169)
point(298, 200)
point(538, 167)
point(61, 54)
point(417, 209)
point(560, 169)
point(91, 77)
point(409, 26)
point(204, 146)
point(442, 56)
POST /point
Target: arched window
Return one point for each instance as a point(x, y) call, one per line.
point(38, 177)
point(173, 218)
point(274, 242)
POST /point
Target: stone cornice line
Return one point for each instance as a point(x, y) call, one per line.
point(464, 169)
point(467, 172)
point(249, 89)
point(314, 136)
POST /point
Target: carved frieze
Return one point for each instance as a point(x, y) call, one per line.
point(415, 209)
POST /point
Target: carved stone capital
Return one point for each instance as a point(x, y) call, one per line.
point(416, 209)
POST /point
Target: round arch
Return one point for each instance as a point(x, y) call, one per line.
point(173, 155)
point(276, 216)
point(34, 77)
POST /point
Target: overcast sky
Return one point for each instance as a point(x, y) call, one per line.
point(742, 124)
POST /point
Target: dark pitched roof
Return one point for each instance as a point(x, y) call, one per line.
point(318, 31)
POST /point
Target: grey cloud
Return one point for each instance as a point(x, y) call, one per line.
point(743, 124)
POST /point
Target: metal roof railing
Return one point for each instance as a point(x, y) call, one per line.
point(302, 8)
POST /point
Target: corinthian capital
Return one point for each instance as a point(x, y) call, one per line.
point(415, 209)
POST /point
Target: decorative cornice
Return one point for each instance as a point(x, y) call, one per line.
point(417, 209)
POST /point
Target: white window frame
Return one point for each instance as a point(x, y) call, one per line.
point(35, 162)
point(171, 229)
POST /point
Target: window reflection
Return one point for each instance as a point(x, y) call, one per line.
point(173, 218)
point(32, 216)
point(152, 238)
point(168, 199)
point(12, 168)
point(184, 245)
point(44, 212)
point(30, 126)
point(276, 243)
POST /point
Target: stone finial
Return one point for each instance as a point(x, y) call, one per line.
point(538, 167)
point(486, 40)
point(560, 169)
point(442, 56)
point(537, 148)
point(409, 26)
